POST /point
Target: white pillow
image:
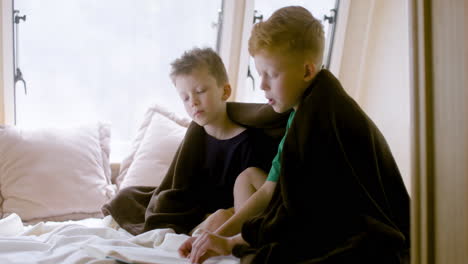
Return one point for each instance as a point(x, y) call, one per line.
point(55, 174)
point(153, 149)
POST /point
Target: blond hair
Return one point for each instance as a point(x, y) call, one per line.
point(198, 58)
point(289, 29)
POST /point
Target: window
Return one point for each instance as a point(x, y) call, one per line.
point(105, 60)
point(85, 60)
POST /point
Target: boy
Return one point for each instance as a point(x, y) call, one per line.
point(340, 197)
point(201, 81)
point(216, 156)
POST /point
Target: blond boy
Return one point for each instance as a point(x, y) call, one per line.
point(340, 197)
point(201, 80)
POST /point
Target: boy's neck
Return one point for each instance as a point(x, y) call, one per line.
point(306, 86)
point(224, 128)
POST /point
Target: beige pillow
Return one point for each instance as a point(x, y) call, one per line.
point(153, 149)
point(55, 174)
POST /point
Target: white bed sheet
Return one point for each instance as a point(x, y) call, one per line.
point(88, 241)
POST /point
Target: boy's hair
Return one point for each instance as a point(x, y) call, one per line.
point(197, 58)
point(290, 29)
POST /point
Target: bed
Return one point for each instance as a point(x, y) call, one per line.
point(54, 181)
point(91, 240)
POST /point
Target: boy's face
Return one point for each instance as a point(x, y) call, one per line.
point(284, 78)
point(203, 100)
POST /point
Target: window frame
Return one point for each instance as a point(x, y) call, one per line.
point(232, 49)
point(341, 27)
point(234, 39)
point(6, 63)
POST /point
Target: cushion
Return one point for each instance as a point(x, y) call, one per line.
point(55, 174)
point(153, 148)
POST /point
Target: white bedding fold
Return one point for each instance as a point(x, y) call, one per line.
point(88, 241)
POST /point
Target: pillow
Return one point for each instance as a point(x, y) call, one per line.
point(153, 149)
point(55, 174)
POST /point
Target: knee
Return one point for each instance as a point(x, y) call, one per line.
point(243, 181)
point(251, 176)
point(242, 178)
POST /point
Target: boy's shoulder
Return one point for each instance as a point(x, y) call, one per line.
point(262, 140)
point(326, 95)
point(255, 133)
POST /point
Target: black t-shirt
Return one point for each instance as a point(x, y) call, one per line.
point(226, 159)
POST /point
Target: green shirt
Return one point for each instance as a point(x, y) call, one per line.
point(274, 173)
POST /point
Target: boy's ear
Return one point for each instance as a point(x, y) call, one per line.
point(309, 71)
point(226, 91)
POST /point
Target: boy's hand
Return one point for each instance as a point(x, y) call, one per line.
point(186, 247)
point(207, 245)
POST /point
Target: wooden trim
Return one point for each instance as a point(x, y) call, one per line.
point(339, 38)
point(244, 56)
point(422, 237)
point(6, 63)
point(450, 94)
point(440, 132)
point(232, 41)
point(2, 110)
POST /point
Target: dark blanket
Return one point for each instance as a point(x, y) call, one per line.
point(340, 197)
point(182, 200)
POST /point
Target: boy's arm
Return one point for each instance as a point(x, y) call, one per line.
point(253, 206)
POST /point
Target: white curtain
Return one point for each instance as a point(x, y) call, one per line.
point(374, 70)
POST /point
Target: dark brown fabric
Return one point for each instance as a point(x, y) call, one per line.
point(183, 199)
point(340, 197)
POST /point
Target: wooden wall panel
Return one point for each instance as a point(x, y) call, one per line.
point(449, 47)
point(440, 131)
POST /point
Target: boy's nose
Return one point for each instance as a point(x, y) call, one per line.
point(194, 102)
point(263, 85)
